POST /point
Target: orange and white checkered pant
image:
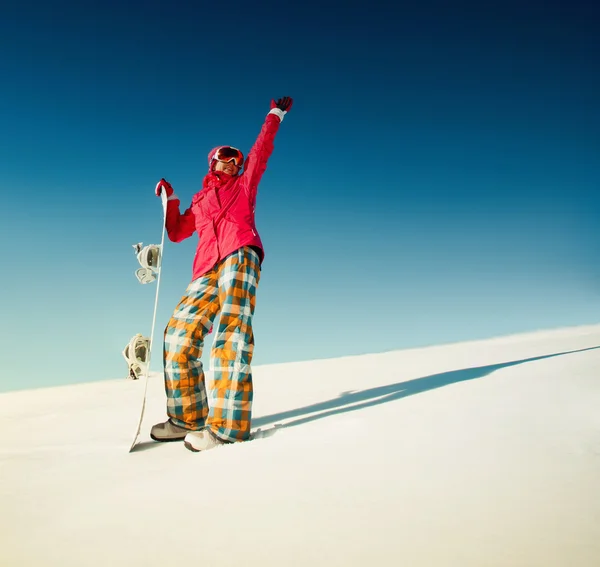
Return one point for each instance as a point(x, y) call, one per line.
point(229, 289)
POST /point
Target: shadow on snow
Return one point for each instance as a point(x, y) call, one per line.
point(358, 400)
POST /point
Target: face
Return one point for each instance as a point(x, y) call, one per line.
point(227, 167)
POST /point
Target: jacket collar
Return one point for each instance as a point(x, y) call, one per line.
point(216, 179)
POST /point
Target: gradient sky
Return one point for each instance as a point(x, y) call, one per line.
point(436, 180)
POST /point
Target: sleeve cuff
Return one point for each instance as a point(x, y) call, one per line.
point(173, 197)
point(278, 112)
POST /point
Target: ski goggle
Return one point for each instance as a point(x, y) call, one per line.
point(227, 154)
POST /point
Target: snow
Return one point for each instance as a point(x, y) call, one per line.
point(472, 454)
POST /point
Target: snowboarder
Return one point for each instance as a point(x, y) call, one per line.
point(226, 273)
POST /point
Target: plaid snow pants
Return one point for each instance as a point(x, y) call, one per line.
point(229, 289)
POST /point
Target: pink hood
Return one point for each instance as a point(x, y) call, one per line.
point(215, 179)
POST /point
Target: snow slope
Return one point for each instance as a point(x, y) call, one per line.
point(475, 454)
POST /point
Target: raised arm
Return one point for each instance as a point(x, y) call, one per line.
point(256, 162)
point(179, 226)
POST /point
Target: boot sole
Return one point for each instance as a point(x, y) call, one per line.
point(189, 446)
point(167, 440)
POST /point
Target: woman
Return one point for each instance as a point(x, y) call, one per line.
point(226, 272)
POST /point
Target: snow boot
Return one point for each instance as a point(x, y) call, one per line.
point(168, 431)
point(202, 440)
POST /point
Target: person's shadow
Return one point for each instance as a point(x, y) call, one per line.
point(358, 400)
point(354, 401)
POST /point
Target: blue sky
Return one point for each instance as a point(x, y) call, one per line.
point(436, 179)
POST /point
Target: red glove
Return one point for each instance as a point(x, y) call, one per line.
point(163, 185)
point(284, 103)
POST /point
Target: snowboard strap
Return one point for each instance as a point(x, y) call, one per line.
point(136, 354)
point(149, 258)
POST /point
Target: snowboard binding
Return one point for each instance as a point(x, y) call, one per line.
point(149, 258)
point(136, 356)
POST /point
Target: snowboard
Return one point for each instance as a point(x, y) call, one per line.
point(145, 374)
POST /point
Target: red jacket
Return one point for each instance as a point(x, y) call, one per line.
point(222, 212)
